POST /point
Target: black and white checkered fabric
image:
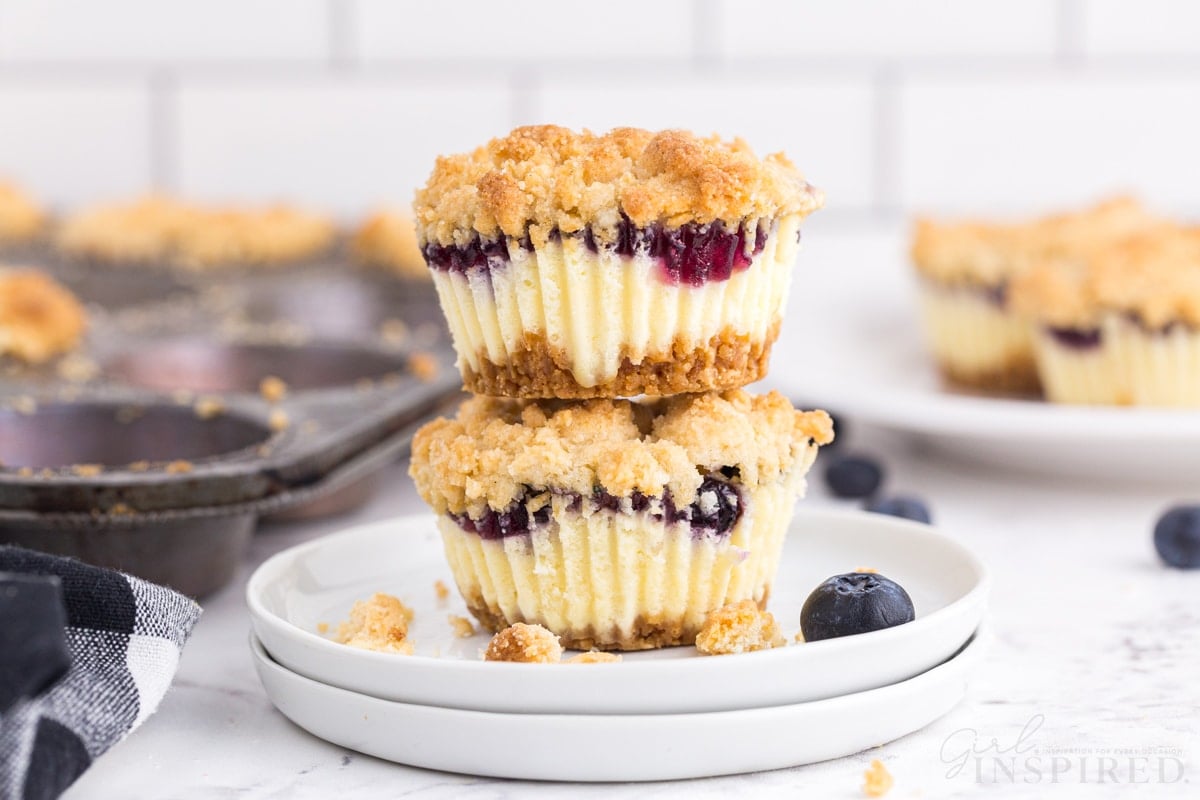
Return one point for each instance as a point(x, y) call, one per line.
point(123, 636)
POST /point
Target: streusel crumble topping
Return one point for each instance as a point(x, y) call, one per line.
point(496, 447)
point(545, 178)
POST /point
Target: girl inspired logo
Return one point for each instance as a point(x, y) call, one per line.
point(1022, 761)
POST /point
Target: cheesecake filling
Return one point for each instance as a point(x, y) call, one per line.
point(975, 338)
point(624, 573)
point(591, 305)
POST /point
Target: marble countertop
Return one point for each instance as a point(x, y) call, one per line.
point(1093, 655)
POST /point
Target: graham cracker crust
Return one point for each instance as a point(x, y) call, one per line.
point(1018, 376)
point(648, 632)
point(537, 369)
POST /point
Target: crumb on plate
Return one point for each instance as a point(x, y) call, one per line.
point(594, 657)
point(278, 420)
point(378, 623)
point(322, 627)
point(462, 626)
point(441, 590)
point(530, 644)
point(738, 628)
point(87, 470)
point(179, 467)
point(877, 780)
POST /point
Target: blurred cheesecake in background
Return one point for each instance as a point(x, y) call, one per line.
point(21, 218)
point(965, 270)
point(39, 318)
point(387, 239)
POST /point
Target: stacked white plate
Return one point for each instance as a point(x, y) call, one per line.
point(656, 715)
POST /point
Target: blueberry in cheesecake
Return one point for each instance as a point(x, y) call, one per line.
point(616, 524)
point(575, 265)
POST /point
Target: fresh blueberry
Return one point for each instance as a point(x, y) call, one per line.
point(902, 506)
point(1177, 537)
point(853, 476)
point(857, 602)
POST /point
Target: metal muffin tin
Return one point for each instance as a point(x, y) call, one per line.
point(164, 460)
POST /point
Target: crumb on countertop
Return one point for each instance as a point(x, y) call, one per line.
point(594, 657)
point(138, 466)
point(877, 780)
point(121, 510)
point(529, 644)
point(379, 623)
point(424, 366)
point(87, 470)
point(272, 389)
point(25, 472)
point(77, 368)
point(394, 331)
point(440, 590)
point(462, 626)
point(738, 628)
point(179, 467)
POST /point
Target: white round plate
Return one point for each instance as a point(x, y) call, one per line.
point(862, 354)
point(299, 589)
point(643, 747)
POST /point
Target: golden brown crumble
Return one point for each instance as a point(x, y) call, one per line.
point(536, 368)
point(877, 781)
point(379, 623)
point(989, 253)
point(208, 407)
point(530, 644)
point(20, 217)
point(39, 318)
point(595, 657)
point(322, 627)
point(272, 389)
point(544, 177)
point(462, 626)
point(738, 628)
point(424, 366)
point(388, 239)
point(495, 447)
point(87, 470)
point(166, 230)
point(179, 467)
point(1154, 277)
point(441, 591)
point(77, 368)
point(278, 420)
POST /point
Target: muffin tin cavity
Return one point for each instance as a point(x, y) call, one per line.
point(80, 437)
point(205, 366)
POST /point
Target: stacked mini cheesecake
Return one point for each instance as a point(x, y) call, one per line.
point(609, 296)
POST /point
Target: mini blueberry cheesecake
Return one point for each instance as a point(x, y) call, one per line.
point(39, 317)
point(616, 524)
point(157, 230)
point(965, 270)
point(572, 265)
point(21, 218)
point(1121, 326)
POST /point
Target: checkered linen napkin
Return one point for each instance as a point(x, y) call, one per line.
point(86, 654)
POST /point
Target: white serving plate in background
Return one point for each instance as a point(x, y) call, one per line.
point(614, 747)
point(860, 352)
point(318, 582)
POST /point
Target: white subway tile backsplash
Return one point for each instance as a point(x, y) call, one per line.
point(338, 144)
point(824, 126)
point(524, 30)
point(1032, 142)
point(884, 28)
point(72, 144)
point(1147, 27)
point(157, 31)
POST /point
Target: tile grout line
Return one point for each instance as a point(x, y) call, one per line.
point(164, 130)
point(341, 18)
point(886, 138)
